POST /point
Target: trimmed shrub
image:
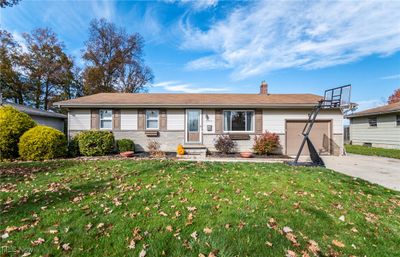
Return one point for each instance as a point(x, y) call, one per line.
point(95, 142)
point(73, 147)
point(265, 143)
point(13, 124)
point(42, 143)
point(224, 144)
point(125, 145)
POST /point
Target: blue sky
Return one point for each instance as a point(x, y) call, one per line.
point(215, 46)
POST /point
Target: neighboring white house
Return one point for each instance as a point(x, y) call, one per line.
point(198, 119)
point(377, 127)
point(47, 118)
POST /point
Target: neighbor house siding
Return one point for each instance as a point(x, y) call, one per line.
point(386, 134)
point(129, 119)
point(56, 123)
point(79, 119)
point(175, 119)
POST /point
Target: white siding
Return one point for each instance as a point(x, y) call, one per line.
point(208, 120)
point(274, 120)
point(79, 119)
point(129, 119)
point(175, 119)
point(386, 134)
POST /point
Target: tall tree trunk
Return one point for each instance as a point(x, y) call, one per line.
point(46, 95)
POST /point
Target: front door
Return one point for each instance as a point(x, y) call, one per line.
point(193, 126)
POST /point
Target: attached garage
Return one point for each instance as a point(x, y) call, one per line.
point(321, 136)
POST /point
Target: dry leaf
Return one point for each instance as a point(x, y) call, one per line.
point(207, 230)
point(194, 235)
point(269, 244)
point(37, 241)
point(313, 247)
point(169, 228)
point(132, 244)
point(142, 253)
point(290, 253)
point(337, 243)
point(66, 247)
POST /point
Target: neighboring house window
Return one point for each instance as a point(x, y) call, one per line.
point(238, 121)
point(152, 119)
point(398, 120)
point(372, 121)
point(106, 119)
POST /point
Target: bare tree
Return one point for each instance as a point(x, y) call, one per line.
point(114, 60)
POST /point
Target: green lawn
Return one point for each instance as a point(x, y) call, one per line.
point(373, 151)
point(168, 208)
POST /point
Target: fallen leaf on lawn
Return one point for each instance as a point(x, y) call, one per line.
point(272, 223)
point(370, 217)
point(26, 254)
point(213, 253)
point(88, 226)
point(201, 255)
point(341, 218)
point(287, 230)
point(269, 244)
point(56, 240)
point(337, 243)
point(132, 244)
point(207, 230)
point(290, 253)
point(37, 241)
point(66, 247)
point(4, 236)
point(292, 238)
point(163, 214)
point(194, 235)
point(227, 226)
point(169, 228)
point(354, 230)
point(100, 225)
point(53, 231)
point(191, 208)
point(11, 229)
point(313, 247)
point(142, 253)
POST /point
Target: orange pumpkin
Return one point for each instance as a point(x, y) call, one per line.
point(180, 150)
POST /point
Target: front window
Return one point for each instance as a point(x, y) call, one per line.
point(239, 121)
point(398, 120)
point(372, 121)
point(152, 119)
point(106, 119)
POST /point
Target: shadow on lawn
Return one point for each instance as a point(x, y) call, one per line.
point(34, 202)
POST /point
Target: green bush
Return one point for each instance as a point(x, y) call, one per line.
point(13, 124)
point(95, 142)
point(125, 145)
point(42, 143)
point(73, 147)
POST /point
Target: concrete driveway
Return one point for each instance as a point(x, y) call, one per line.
point(379, 170)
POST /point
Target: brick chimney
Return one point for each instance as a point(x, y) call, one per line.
point(264, 88)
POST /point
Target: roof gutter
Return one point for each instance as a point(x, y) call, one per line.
point(355, 115)
point(183, 105)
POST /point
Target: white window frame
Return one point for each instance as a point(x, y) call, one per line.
point(157, 119)
point(239, 131)
point(111, 119)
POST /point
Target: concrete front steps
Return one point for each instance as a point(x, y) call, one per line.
point(194, 152)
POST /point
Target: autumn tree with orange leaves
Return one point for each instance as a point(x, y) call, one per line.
point(395, 97)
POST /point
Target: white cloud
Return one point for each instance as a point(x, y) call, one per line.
point(197, 5)
point(368, 104)
point(177, 86)
point(265, 36)
point(396, 76)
